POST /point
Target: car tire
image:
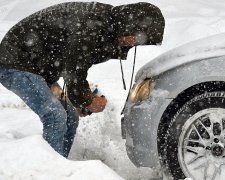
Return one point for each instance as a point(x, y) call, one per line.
point(173, 148)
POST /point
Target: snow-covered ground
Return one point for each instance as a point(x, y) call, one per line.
point(25, 155)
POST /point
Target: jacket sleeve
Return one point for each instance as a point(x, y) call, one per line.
point(78, 88)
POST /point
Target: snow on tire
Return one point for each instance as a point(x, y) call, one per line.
point(195, 139)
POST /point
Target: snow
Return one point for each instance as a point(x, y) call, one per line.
point(25, 155)
point(213, 46)
point(159, 93)
point(34, 159)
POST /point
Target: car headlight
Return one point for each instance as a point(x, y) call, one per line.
point(141, 91)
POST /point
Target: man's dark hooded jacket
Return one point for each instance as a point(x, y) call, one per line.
point(63, 40)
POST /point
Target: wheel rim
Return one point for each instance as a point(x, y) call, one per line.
point(201, 152)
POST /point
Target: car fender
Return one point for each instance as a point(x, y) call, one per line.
point(142, 119)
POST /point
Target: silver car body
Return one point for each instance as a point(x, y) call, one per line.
point(173, 72)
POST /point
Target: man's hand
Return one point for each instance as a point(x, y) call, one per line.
point(56, 90)
point(98, 104)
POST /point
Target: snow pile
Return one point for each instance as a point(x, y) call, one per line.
point(34, 159)
point(25, 155)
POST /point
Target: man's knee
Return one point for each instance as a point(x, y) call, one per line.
point(53, 114)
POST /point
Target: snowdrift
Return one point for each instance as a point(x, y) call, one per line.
point(32, 158)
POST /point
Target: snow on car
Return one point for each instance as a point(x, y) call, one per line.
point(175, 116)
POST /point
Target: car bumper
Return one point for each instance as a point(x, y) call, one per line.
point(139, 127)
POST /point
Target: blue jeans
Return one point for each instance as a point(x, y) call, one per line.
point(59, 126)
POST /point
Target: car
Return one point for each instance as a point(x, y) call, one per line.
point(175, 115)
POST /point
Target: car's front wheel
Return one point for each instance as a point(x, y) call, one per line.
point(195, 140)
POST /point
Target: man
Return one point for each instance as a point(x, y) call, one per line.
point(66, 40)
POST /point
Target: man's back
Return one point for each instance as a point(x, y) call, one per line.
point(62, 36)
